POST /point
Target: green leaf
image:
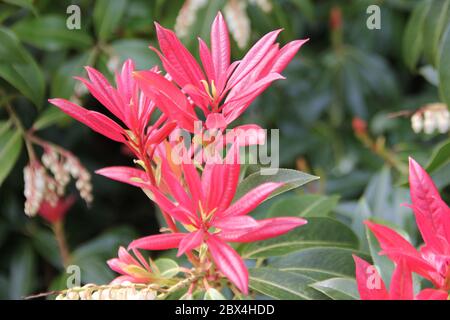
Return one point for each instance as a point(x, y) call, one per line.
point(213, 294)
point(318, 232)
point(26, 4)
point(307, 205)
point(381, 262)
point(22, 278)
point(444, 67)
point(107, 16)
point(319, 263)
point(413, 38)
point(439, 157)
point(24, 74)
point(435, 24)
point(51, 33)
point(338, 288)
point(63, 82)
point(282, 285)
point(105, 245)
point(11, 50)
point(94, 270)
point(45, 244)
point(27, 78)
point(10, 148)
point(168, 268)
point(49, 117)
point(291, 178)
point(136, 49)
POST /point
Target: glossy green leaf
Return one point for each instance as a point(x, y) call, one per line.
point(444, 67)
point(291, 178)
point(22, 73)
point(282, 285)
point(45, 244)
point(306, 205)
point(435, 25)
point(319, 263)
point(381, 262)
point(168, 268)
point(10, 148)
point(49, 117)
point(105, 245)
point(440, 156)
point(107, 16)
point(22, 277)
point(63, 82)
point(338, 288)
point(318, 232)
point(413, 37)
point(11, 50)
point(136, 49)
point(213, 294)
point(50, 32)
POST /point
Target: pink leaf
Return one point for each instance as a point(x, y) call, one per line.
point(252, 199)
point(184, 68)
point(396, 247)
point(432, 214)
point(370, 284)
point(432, 294)
point(132, 176)
point(191, 241)
point(220, 50)
point(266, 229)
point(401, 287)
point(229, 262)
point(158, 242)
point(236, 223)
point(94, 120)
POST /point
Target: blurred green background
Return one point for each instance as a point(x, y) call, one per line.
point(345, 71)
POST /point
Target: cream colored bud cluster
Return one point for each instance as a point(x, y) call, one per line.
point(63, 166)
point(433, 117)
point(35, 186)
point(47, 180)
point(238, 21)
point(82, 177)
point(187, 16)
point(124, 291)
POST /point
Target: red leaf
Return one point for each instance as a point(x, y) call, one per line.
point(158, 242)
point(229, 262)
point(370, 284)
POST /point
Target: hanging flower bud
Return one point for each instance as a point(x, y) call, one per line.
point(336, 18)
point(56, 212)
point(359, 126)
point(35, 186)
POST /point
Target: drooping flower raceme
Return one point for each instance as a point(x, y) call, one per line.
point(209, 217)
point(432, 260)
point(371, 286)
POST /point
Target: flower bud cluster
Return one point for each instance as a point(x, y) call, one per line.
point(124, 291)
point(433, 117)
point(47, 180)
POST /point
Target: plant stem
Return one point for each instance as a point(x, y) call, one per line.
point(58, 230)
point(179, 285)
point(23, 132)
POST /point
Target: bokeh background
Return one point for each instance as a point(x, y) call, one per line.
point(346, 71)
